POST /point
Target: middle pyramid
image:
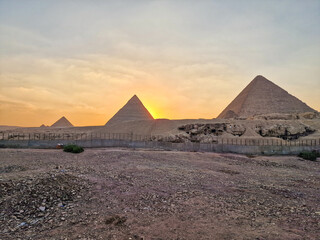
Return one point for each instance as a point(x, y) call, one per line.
point(133, 110)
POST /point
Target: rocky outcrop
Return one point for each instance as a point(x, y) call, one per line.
point(310, 115)
point(210, 132)
point(216, 129)
point(285, 131)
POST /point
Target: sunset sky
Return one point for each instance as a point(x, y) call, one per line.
point(183, 58)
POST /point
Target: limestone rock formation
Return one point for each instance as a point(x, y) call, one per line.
point(61, 123)
point(209, 132)
point(133, 110)
point(262, 96)
point(285, 131)
point(216, 129)
point(310, 115)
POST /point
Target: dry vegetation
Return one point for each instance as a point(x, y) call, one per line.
point(127, 194)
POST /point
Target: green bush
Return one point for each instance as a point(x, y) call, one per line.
point(77, 149)
point(73, 148)
point(68, 148)
point(312, 156)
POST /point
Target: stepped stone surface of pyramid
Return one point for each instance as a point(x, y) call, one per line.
point(262, 96)
point(133, 110)
point(62, 122)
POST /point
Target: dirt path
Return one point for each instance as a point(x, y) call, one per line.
point(127, 194)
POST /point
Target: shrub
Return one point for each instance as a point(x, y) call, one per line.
point(73, 148)
point(68, 148)
point(312, 156)
point(77, 149)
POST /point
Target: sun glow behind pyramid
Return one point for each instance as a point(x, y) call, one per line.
point(133, 110)
point(185, 59)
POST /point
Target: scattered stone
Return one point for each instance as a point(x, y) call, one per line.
point(12, 168)
point(35, 199)
point(116, 220)
point(42, 208)
point(23, 224)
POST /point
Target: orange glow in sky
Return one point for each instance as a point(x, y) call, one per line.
point(183, 59)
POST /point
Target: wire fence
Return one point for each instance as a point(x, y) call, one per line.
point(159, 138)
point(74, 136)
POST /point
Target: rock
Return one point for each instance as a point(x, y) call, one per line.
point(23, 224)
point(116, 220)
point(284, 131)
point(35, 199)
point(310, 115)
point(208, 133)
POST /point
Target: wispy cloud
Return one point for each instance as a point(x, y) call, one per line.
point(185, 59)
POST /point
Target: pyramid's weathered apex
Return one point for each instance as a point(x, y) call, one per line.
point(62, 122)
point(133, 110)
point(262, 96)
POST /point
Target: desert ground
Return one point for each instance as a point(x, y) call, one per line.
point(113, 193)
point(171, 128)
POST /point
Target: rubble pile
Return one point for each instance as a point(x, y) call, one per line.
point(209, 133)
point(284, 131)
point(206, 133)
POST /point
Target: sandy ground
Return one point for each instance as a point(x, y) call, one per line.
point(141, 194)
point(165, 127)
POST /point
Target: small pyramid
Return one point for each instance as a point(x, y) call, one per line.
point(133, 110)
point(262, 96)
point(62, 122)
point(42, 126)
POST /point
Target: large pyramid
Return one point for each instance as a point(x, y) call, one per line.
point(262, 96)
point(62, 122)
point(132, 111)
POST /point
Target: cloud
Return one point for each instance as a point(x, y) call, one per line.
point(184, 59)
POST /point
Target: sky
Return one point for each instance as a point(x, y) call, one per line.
point(85, 59)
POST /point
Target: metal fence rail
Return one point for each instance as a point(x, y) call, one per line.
point(156, 138)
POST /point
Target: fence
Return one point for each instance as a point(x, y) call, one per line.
point(73, 136)
point(155, 138)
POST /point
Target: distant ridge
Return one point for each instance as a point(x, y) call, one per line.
point(133, 110)
point(262, 96)
point(62, 122)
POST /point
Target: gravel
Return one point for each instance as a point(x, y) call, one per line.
point(141, 194)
